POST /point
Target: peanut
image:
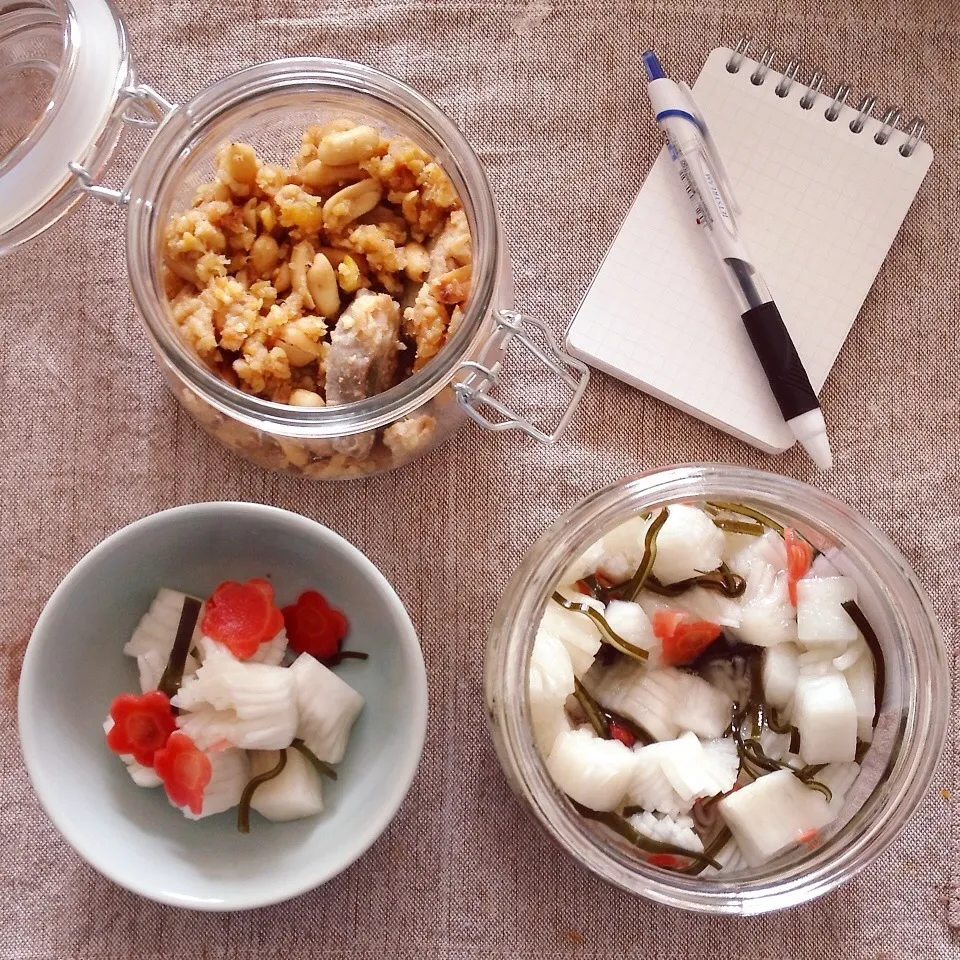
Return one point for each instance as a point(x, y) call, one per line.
point(237, 167)
point(306, 398)
point(348, 146)
point(322, 286)
point(300, 258)
point(264, 255)
point(349, 203)
point(317, 174)
point(281, 282)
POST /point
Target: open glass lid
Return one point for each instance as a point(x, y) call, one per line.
point(64, 71)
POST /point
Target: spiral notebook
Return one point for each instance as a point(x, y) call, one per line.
point(824, 186)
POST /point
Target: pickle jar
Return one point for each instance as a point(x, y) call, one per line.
point(910, 727)
point(70, 94)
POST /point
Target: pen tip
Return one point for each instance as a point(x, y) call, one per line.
point(818, 446)
point(651, 63)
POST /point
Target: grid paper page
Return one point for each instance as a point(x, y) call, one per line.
point(821, 207)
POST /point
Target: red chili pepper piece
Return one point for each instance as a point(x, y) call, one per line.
point(141, 725)
point(621, 733)
point(799, 558)
point(184, 770)
point(241, 616)
point(314, 627)
point(666, 860)
point(683, 640)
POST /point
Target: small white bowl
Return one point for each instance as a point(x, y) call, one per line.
point(74, 667)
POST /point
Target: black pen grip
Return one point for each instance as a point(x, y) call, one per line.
point(780, 360)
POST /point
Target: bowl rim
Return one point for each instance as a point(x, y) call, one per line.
point(278, 892)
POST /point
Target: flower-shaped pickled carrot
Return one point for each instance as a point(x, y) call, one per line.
point(683, 639)
point(241, 616)
point(184, 770)
point(799, 558)
point(141, 725)
point(314, 627)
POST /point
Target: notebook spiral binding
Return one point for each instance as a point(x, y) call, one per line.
point(914, 130)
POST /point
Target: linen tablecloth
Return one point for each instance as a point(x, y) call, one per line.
point(550, 93)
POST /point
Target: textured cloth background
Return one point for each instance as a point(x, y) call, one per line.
point(551, 96)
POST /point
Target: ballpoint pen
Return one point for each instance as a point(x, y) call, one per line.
point(707, 185)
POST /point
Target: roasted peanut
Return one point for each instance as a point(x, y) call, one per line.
point(264, 255)
point(249, 215)
point(237, 167)
point(349, 203)
point(271, 178)
point(281, 281)
point(300, 259)
point(300, 340)
point(306, 398)
point(322, 285)
point(317, 174)
point(268, 216)
point(348, 146)
point(293, 450)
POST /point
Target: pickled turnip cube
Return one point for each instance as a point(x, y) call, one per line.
point(622, 550)
point(585, 565)
point(820, 616)
point(772, 813)
point(650, 787)
point(631, 622)
point(672, 774)
point(768, 550)
point(860, 679)
point(643, 695)
point(549, 683)
point(229, 775)
point(594, 772)
point(779, 673)
point(664, 701)
point(689, 543)
point(678, 831)
point(825, 713)
point(296, 792)
point(576, 631)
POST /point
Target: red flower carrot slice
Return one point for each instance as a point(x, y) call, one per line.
point(241, 616)
point(683, 639)
point(314, 627)
point(141, 725)
point(799, 558)
point(184, 770)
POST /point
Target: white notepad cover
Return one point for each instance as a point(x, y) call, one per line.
point(821, 206)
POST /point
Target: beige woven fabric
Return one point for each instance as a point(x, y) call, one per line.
point(550, 94)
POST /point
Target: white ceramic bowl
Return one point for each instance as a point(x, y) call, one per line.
point(74, 667)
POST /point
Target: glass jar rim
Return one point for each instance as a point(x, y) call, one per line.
point(157, 166)
point(911, 766)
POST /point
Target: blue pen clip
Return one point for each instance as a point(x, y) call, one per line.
point(710, 145)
